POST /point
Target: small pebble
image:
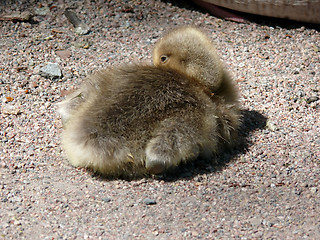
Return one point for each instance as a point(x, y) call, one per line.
point(312, 99)
point(10, 109)
point(296, 71)
point(51, 70)
point(301, 93)
point(64, 54)
point(255, 222)
point(82, 29)
point(149, 201)
point(313, 189)
point(84, 45)
point(271, 126)
point(3, 165)
point(106, 199)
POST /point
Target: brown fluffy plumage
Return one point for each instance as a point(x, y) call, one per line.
point(137, 119)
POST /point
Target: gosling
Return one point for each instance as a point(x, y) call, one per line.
point(136, 120)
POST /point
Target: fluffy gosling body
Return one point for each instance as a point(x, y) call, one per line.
point(136, 120)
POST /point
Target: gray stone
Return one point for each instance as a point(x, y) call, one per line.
point(149, 201)
point(106, 199)
point(312, 99)
point(51, 71)
point(82, 29)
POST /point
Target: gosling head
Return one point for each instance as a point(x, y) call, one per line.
point(189, 51)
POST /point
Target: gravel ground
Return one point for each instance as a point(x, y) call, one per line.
point(265, 188)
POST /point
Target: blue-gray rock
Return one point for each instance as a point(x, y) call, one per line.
point(51, 70)
point(106, 199)
point(149, 201)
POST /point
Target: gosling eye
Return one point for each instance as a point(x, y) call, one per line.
point(164, 58)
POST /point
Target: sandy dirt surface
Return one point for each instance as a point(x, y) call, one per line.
point(265, 188)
